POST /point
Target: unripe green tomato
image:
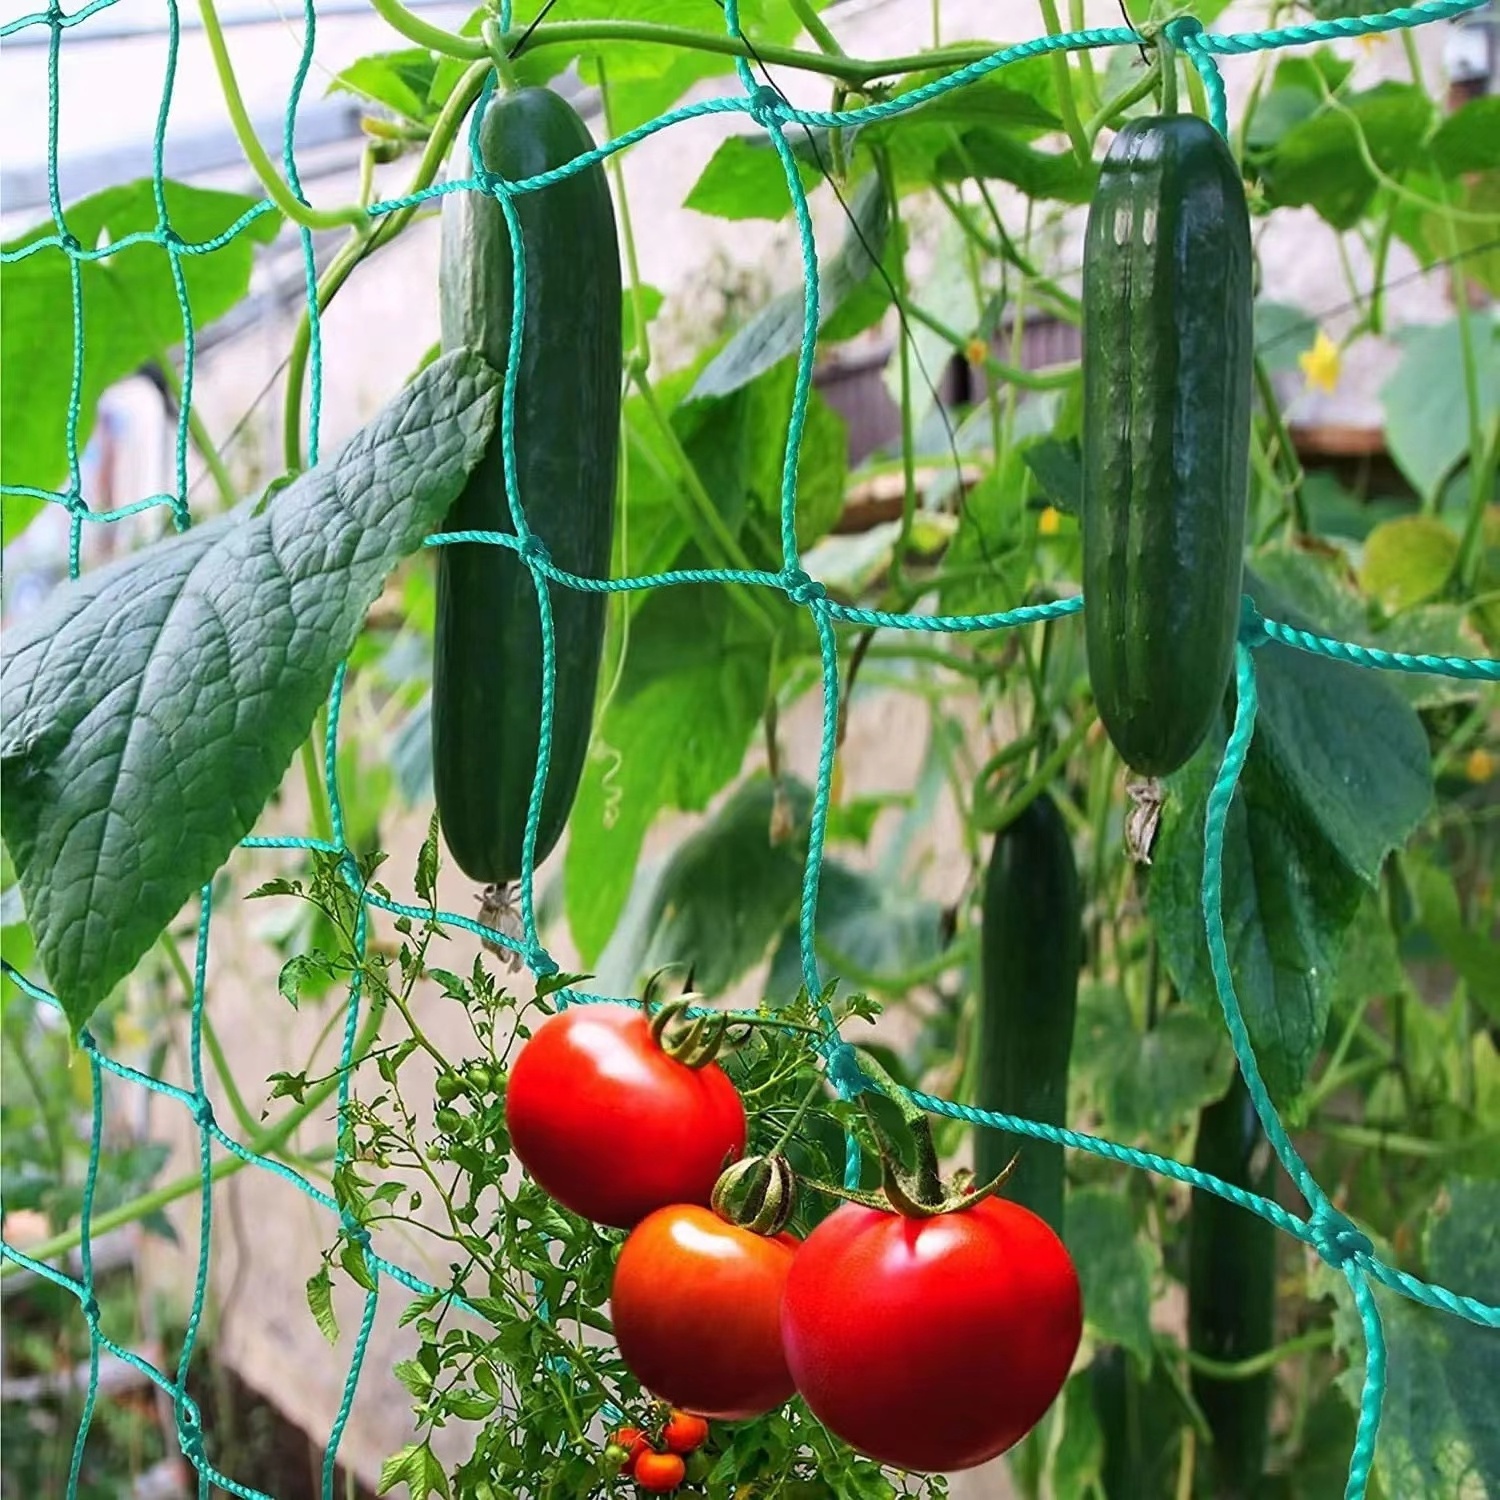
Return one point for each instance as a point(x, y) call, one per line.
point(477, 1076)
point(448, 1119)
point(448, 1086)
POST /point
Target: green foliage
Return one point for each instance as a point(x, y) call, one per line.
point(130, 314)
point(237, 628)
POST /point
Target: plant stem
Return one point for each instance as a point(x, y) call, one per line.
point(242, 1115)
point(1286, 452)
point(817, 29)
point(573, 33)
point(199, 433)
point(1067, 106)
point(1111, 109)
point(365, 240)
point(267, 1142)
point(1059, 377)
point(702, 515)
point(276, 189)
point(1013, 807)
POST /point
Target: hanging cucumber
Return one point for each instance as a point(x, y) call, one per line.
point(1167, 351)
point(487, 657)
point(1232, 1290)
point(1031, 946)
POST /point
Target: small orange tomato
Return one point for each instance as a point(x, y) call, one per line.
point(630, 1441)
point(659, 1472)
point(684, 1432)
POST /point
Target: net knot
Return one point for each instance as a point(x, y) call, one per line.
point(1336, 1239)
point(800, 588)
point(91, 1311)
point(767, 108)
point(170, 238)
point(203, 1112)
point(356, 1233)
point(87, 1042)
point(69, 242)
point(1252, 624)
point(540, 962)
point(841, 1064)
point(189, 1430)
point(1183, 32)
point(487, 181)
point(532, 549)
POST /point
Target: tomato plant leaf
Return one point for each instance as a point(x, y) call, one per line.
point(1426, 405)
point(130, 313)
point(1440, 1423)
point(419, 1469)
point(151, 709)
point(320, 1302)
point(776, 331)
point(1114, 1269)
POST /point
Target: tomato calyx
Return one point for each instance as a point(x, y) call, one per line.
point(757, 1193)
point(695, 1045)
point(919, 1194)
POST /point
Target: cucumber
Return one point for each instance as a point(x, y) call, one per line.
point(1232, 1290)
point(1167, 364)
point(1031, 947)
point(487, 655)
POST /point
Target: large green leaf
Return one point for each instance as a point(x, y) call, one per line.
point(150, 710)
point(130, 315)
point(1337, 776)
point(776, 330)
point(1440, 1421)
point(1425, 398)
point(1319, 162)
point(1114, 1269)
point(1468, 140)
point(868, 929)
point(744, 178)
point(730, 887)
point(413, 83)
point(1145, 1085)
point(1295, 95)
point(675, 732)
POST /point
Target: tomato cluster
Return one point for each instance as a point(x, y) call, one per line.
point(663, 1466)
point(930, 1339)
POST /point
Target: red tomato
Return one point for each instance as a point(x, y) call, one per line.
point(659, 1472)
point(696, 1307)
point(684, 1432)
point(610, 1125)
point(931, 1344)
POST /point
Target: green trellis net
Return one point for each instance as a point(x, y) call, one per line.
point(1335, 1238)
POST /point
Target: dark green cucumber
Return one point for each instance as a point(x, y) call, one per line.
point(1031, 946)
point(487, 658)
point(1167, 364)
point(1232, 1290)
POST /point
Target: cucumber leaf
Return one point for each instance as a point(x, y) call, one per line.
point(1337, 776)
point(151, 709)
point(130, 310)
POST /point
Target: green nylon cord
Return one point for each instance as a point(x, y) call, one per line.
point(1340, 1243)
